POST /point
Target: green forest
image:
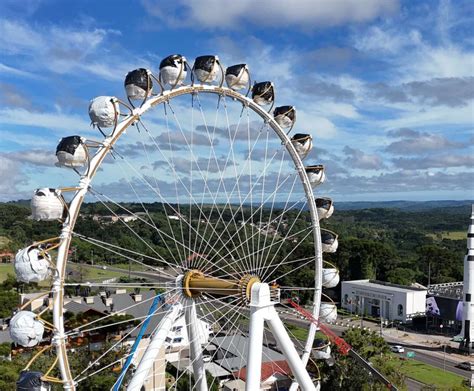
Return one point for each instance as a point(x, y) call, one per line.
point(387, 244)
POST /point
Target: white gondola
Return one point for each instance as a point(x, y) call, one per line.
point(330, 277)
point(25, 329)
point(315, 174)
point(138, 84)
point(285, 116)
point(237, 77)
point(263, 93)
point(104, 111)
point(32, 381)
point(173, 70)
point(32, 265)
point(71, 152)
point(321, 349)
point(206, 68)
point(47, 204)
point(329, 241)
point(325, 207)
point(303, 144)
point(328, 312)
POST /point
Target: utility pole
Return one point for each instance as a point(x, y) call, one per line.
point(444, 358)
point(429, 273)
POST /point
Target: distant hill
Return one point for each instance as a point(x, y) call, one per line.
point(411, 206)
point(463, 206)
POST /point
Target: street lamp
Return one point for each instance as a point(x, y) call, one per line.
point(383, 323)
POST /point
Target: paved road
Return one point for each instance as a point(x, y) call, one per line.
point(422, 353)
point(150, 275)
point(427, 358)
point(413, 385)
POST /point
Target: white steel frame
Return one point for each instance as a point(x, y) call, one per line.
point(59, 338)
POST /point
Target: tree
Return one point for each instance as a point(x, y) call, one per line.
point(347, 374)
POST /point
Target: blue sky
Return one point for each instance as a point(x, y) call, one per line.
point(385, 87)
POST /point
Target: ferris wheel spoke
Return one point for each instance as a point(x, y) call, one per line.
point(161, 233)
point(251, 255)
point(221, 184)
point(176, 243)
point(262, 202)
point(191, 341)
point(174, 267)
point(291, 271)
point(278, 218)
point(268, 275)
point(195, 159)
point(244, 223)
point(236, 174)
point(288, 235)
point(147, 183)
point(164, 233)
point(229, 197)
point(281, 214)
point(230, 156)
point(108, 350)
point(88, 328)
point(114, 249)
point(232, 321)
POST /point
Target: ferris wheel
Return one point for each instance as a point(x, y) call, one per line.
point(203, 187)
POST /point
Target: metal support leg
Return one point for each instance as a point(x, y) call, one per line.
point(288, 348)
point(195, 348)
point(262, 309)
point(254, 349)
point(153, 349)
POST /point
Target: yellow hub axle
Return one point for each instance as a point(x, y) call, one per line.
point(196, 283)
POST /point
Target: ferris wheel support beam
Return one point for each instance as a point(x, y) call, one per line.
point(153, 349)
point(195, 347)
point(262, 309)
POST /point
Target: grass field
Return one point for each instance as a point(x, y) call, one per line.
point(452, 235)
point(5, 269)
point(427, 374)
point(93, 274)
point(88, 273)
point(133, 266)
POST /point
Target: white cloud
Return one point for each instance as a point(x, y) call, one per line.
point(15, 72)
point(315, 125)
point(10, 179)
point(412, 54)
point(411, 115)
point(415, 143)
point(307, 14)
point(57, 121)
point(356, 158)
point(35, 157)
point(62, 50)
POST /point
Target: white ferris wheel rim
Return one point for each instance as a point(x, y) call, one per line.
point(59, 336)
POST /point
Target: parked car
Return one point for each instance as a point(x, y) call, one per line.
point(397, 349)
point(467, 365)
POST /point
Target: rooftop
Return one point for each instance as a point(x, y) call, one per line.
point(268, 369)
point(386, 286)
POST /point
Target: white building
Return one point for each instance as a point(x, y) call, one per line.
point(377, 298)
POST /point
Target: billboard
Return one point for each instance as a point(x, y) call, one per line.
point(444, 308)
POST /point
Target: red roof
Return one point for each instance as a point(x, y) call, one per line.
point(268, 369)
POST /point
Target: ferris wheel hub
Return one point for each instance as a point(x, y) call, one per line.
point(196, 283)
